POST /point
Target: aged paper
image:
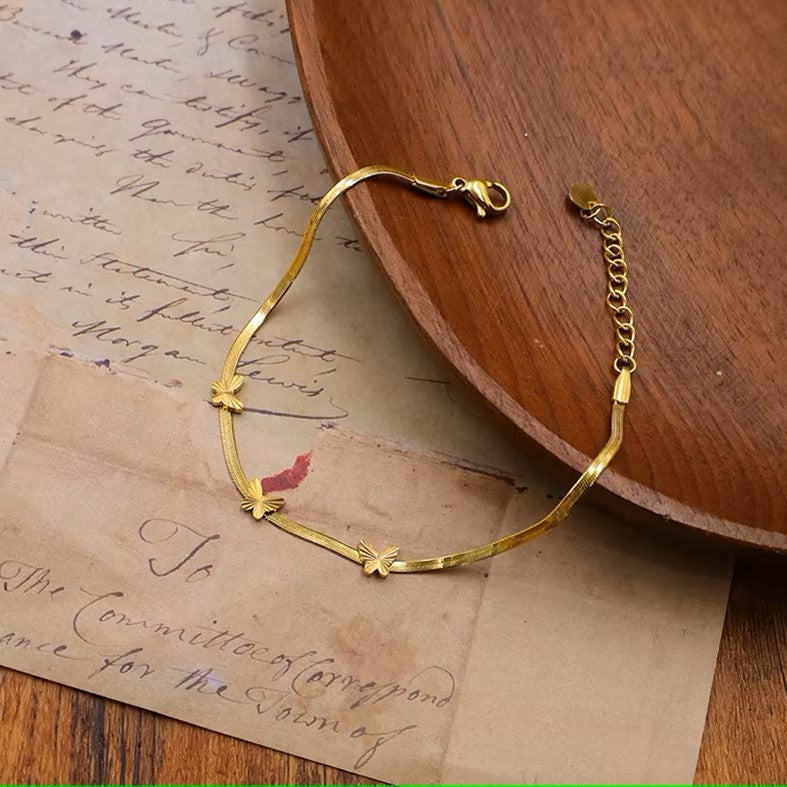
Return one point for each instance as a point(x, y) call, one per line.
point(133, 573)
point(156, 171)
point(156, 168)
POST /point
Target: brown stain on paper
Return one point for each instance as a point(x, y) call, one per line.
point(393, 654)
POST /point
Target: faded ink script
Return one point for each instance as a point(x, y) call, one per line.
point(156, 169)
point(158, 165)
point(127, 568)
point(110, 637)
point(138, 576)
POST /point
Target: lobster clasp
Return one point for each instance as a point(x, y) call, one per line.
point(478, 193)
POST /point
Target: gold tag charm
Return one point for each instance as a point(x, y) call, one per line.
point(582, 195)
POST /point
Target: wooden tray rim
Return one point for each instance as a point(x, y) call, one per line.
point(410, 292)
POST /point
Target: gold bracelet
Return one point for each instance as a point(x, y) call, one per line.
point(489, 199)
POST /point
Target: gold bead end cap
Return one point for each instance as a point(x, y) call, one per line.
point(622, 391)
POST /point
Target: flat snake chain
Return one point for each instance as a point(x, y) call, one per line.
point(488, 198)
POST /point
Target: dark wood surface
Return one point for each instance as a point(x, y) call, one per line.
point(50, 733)
point(675, 111)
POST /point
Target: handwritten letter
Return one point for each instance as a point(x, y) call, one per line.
point(157, 166)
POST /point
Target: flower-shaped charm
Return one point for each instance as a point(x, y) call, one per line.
point(222, 393)
point(258, 502)
point(373, 560)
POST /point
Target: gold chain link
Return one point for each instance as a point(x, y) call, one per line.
point(488, 198)
point(617, 279)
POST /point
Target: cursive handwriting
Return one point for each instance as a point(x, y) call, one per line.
point(23, 578)
point(36, 245)
point(218, 245)
point(110, 262)
point(104, 619)
point(17, 641)
point(277, 707)
point(86, 219)
point(134, 17)
point(162, 127)
point(112, 334)
point(273, 94)
point(185, 543)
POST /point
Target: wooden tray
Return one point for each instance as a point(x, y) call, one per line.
point(675, 112)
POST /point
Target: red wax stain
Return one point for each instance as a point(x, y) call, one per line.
point(289, 478)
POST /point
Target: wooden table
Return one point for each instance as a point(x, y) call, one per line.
point(50, 733)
